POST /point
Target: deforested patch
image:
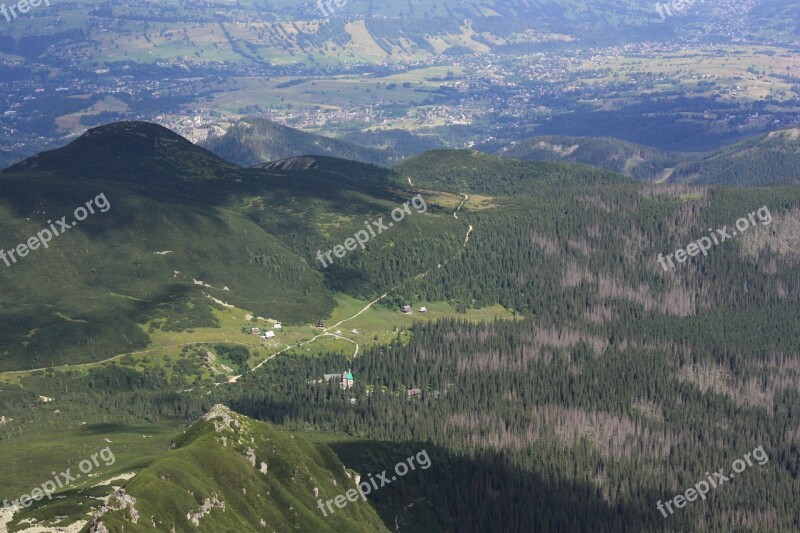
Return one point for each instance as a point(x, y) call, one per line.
point(780, 237)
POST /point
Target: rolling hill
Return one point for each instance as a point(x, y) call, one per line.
point(634, 160)
point(254, 140)
point(769, 159)
point(463, 171)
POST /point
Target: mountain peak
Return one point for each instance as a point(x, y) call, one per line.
point(220, 411)
point(133, 127)
point(255, 140)
point(228, 472)
point(138, 152)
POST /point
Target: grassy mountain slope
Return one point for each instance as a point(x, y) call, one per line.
point(231, 473)
point(356, 31)
point(462, 171)
point(81, 298)
point(256, 140)
point(397, 30)
point(184, 227)
point(773, 158)
point(634, 160)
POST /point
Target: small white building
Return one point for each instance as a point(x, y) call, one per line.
point(423, 309)
point(256, 331)
point(277, 325)
point(269, 335)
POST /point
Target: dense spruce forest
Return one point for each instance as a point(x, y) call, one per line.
point(547, 421)
point(580, 396)
point(634, 160)
point(462, 171)
point(771, 158)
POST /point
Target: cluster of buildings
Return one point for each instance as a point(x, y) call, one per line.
point(344, 379)
point(266, 335)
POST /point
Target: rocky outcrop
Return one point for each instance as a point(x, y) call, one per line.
point(208, 504)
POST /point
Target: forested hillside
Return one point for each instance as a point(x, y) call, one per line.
point(256, 140)
point(634, 160)
point(769, 159)
point(622, 386)
point(462, 171)
point(543, 420)
point(772, 158)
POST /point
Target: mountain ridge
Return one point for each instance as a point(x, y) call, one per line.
point(631, 159)
point(253, 140)
point(463, 171)
point(178, 240)
point(769, 159)
point(235, 473)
